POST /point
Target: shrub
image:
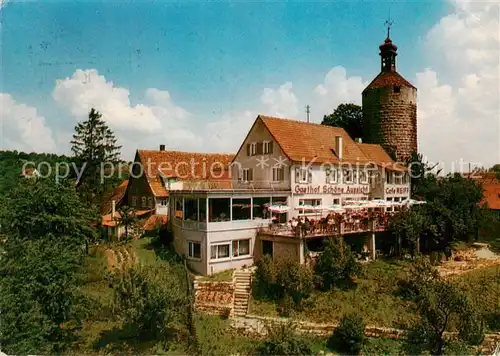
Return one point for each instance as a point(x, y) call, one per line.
point(337, 265)
point(264, 281)
point(349, 337)
point(282, 339)
point(293, 280)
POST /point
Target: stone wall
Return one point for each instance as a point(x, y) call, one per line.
point(256, 327)
point(390, 119)
point(214, 298)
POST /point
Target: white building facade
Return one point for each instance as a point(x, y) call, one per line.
point(285, 163)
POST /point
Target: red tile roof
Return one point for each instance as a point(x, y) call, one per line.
point(491, 188)
point(155, 221)
point(108, 220)
point(312, 142)
point(117, 195)
point(378, 155)
point(185, 166)
point(385, 79)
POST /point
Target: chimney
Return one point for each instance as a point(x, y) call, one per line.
point(339, 146)
point(162, 147)
point(113, 208)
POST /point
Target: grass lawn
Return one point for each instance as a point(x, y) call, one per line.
point(224, 276)
point(374, 297)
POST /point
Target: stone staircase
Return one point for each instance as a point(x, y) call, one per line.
point(242, 286)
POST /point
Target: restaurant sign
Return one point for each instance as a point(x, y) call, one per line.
point(397, 190)
point(331, 189)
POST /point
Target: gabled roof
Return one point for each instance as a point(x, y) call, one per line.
point(378, 155)
point(154, 221)
point(311, 142)
point(385, 79)
point(184, 166)
point(117, 195)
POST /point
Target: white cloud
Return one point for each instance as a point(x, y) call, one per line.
point(458, 109)
point(22, 128)
point(336, 89)
point(145, 125)
point(280, 102)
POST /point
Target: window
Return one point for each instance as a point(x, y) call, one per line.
point(241, 248)
point(134, 201)
point(331, 175)
point(389, 177)
point(397, 89)
point(219, 251)
point(150, 202)
point(203, 210)
point(260, 207)
point(164, 202)
point(398, 178)
point(267, 147)
point(219, 209)
point(241, 209)
point(309, 202)
point(336, 201)
point(143, 202)
point(355, 176)
point(278, 174)
point(253, 148)
point(406, 178)
point(347, 173)
point(363, 177)
point(191, 209)
point(303, 175)
point(247, 175)
point(194, 250)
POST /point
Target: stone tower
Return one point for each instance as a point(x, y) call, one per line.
point(390, 108)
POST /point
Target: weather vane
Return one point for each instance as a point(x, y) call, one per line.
point(389, 22)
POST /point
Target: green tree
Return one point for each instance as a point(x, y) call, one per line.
point(127, 219)
point(349, 117)
point(45, 229)
point(337, 265)
point(438, 304)
point(408, 226)
point(153, 299)
point(422, 175)
point(349, 336)
point(282, 339)
point(294, 280)
point(94, 145)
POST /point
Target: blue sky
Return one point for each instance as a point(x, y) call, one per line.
point(212, 58)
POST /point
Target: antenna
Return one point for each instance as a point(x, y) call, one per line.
point(308, 111)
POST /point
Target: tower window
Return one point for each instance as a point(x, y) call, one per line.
point(397, 89)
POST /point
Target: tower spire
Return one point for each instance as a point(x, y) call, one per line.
point(388, 23)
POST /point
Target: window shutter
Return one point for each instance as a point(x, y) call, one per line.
point(240, 174)
point(297, 174)
point(248, 149)
point(327, 175)
point(271, 147)
point(250, 174)
point(309, 175)
point(282, 174)
point(260, 147)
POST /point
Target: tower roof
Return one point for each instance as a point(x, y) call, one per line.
point(385, 79)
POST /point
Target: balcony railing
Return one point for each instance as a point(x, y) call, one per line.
point(318, 229)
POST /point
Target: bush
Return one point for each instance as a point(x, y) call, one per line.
point(286, 281)
point(337, 265)
point(282, 339)
point(264, 285)
point(349, 337)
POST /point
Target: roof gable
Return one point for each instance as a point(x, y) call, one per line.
point(311, 142)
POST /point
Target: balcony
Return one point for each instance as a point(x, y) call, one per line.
point(341, 225)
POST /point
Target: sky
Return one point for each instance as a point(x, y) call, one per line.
point(194, 75)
